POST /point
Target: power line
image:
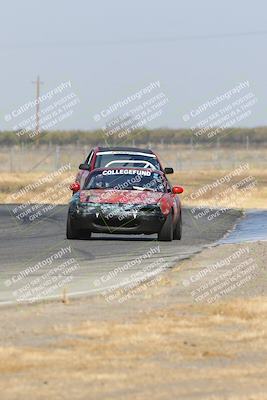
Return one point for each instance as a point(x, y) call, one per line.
point(170, 39)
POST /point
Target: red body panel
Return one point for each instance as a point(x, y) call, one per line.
point(120, 196)
point(166, 201)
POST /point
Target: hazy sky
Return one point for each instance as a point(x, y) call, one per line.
point(109, 49)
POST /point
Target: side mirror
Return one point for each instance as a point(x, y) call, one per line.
point(84, 167)
point(168, 170)
point(75, 187)
point(177, 189)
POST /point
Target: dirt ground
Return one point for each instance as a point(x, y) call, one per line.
point(167, 341)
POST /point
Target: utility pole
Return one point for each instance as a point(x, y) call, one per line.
point(37, 118)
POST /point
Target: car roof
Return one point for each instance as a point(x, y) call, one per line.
point(118, 148)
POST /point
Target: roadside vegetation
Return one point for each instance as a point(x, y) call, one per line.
point(254, 136)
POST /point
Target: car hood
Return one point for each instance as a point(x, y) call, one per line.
point(120, 196)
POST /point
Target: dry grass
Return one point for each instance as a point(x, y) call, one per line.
point(197, 167)
point(12, 183)
point(225, 345)
point(191, 180)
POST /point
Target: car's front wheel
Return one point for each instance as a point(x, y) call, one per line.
point(177, 232)
point(84, 234)
point(166, 233)
point(71, 232)
point(74, 233)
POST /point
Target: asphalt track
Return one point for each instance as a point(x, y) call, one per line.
point(32, 256)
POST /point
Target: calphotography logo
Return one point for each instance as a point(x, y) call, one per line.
point(222, 278)
point(224, 111)
point(131, 115)
point(45, 278)
point(228, 191)
point(45, 112)
point(39, 199)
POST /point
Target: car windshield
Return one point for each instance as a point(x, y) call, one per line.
point(126, 179)
point(113, 159)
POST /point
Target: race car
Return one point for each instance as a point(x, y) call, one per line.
point(104, 157)
point(125, 201)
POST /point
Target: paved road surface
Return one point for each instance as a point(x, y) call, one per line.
point(37, 260)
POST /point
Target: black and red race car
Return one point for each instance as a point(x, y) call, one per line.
point(127, 157)
point(125, 201)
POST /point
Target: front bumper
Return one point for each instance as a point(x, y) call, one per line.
point(118, 218)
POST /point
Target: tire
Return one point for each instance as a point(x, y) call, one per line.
point(166, 233)
point(83, 234)
point(177, 233)
point(71, 231)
